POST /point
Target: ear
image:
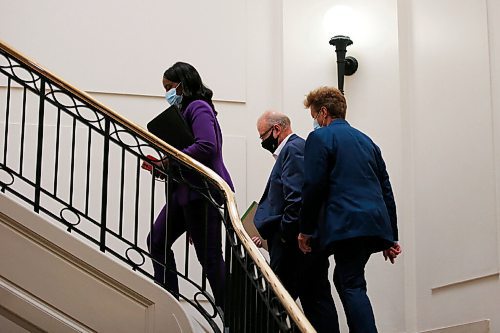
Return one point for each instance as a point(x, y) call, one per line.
point(179, 90)
point(278, 129)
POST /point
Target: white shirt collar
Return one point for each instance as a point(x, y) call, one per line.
point(281, 145)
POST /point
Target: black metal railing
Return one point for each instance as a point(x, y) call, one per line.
point(76, 162)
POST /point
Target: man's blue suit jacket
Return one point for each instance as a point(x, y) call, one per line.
point(345, 172)
point(279, 207)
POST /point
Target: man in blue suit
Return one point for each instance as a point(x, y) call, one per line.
point(346, 178)
point(277, 219)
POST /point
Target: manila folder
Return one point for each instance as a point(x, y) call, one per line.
point(247, 220)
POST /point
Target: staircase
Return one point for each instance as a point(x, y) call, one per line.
point(75, 212)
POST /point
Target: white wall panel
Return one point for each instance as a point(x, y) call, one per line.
point(494, 43)
point(235, 158)
point(450, 75)
point(455, 176)
point(124, 46)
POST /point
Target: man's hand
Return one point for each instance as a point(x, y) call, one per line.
point(304, 243)
point(392, 252)
point(257, 241)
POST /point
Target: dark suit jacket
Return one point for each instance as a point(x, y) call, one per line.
point(344, 170)
point(279, 207)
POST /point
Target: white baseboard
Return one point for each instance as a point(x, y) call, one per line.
point(482, 326)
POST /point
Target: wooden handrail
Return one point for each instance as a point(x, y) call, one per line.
point(288, 303)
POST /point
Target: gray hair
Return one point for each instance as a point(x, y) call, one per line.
point(272, 118)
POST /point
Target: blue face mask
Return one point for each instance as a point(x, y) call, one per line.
point(316, 125)
point(172, 97)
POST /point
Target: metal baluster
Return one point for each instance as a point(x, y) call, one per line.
point(205, 246)
point(72, 167)
point(104, 197)
point(168, 191)
point(137, 194)
point(38, 176)
point(229, 279)
point(251, 303)
point(122, 187)
point(23, 127)
point(246, 292)
point(152, 207)
point(186, 244)
point(234, 290)
point(87, 179)
point(186, 256)
point(7, 116)
point(56, 163)
point(241, 290)
point(260, 309)
point(269, 318)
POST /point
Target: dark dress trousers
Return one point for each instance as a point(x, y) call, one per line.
point(345, 173)
point(277, 219)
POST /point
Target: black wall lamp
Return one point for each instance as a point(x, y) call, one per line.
point(345, 65)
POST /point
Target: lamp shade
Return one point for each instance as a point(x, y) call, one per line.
point(339, 20)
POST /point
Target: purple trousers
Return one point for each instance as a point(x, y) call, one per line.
point(203, 223)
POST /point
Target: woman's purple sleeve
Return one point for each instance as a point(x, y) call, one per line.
point(202, 120)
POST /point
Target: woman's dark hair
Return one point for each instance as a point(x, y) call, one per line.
point(192, 86)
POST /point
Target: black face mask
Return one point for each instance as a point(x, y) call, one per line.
point(271, 143)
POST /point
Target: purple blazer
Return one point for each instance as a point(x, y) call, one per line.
point(207, 146)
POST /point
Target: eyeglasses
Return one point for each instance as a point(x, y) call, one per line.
point(264, 134)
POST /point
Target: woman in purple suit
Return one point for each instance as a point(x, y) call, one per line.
point(187, 210)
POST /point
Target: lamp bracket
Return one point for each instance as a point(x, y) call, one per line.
point(351, 65)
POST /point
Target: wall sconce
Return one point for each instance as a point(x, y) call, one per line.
point(345, 65)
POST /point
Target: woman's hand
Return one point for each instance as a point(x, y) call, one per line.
point(153, 163)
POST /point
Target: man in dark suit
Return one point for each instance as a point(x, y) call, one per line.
point(346, 175)
point(277, 219)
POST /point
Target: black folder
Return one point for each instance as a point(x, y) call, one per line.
point(171, 127)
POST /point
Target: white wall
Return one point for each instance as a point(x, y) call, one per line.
point(145, 38)
point(373, 106)
point(425, 91)
point(450, 93)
